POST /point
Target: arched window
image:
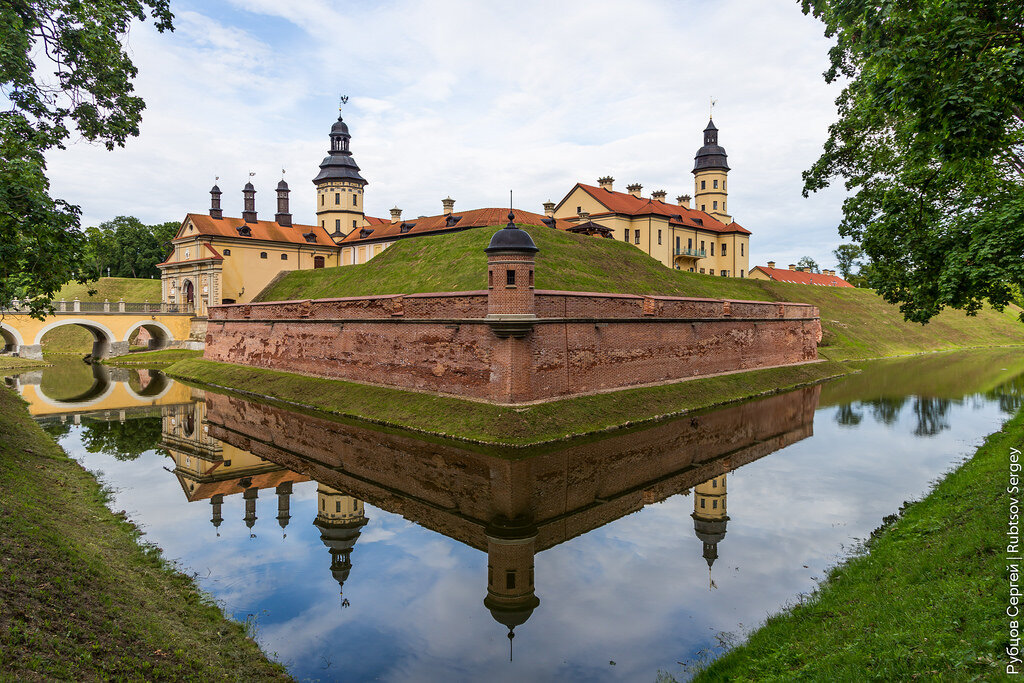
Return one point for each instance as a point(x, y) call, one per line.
point(227, 252)
point(284, 257)
point(263, 254)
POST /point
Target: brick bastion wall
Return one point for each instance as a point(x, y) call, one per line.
point(572, 343)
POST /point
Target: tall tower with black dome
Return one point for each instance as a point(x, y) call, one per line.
point(339, 187)
point(340, 519)
point(709, 515)
point(710, 176)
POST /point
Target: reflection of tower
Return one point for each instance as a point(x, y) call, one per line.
point(709, 516)
point(510, 591)
point(216, 501)
point(339, 519)
point(284, 492)
point(250, 495)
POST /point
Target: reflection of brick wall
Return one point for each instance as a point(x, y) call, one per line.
point(581, 342)
point(458, 492)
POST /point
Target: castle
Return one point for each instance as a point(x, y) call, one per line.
point(218, 259)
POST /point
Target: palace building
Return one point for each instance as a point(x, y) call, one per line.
point(702, 239)
point(217, 259)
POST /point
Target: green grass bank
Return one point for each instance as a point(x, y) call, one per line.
point(857, 323)
point(926, 601)
point(80, 597)
point(112, 289)
point(154, 359)
point(484, 423)
point(11, 365)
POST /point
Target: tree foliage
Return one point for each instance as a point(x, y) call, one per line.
point(808, 264)
point(930, 142)
point(63, 68)
point(848, 259)
point(127, 247)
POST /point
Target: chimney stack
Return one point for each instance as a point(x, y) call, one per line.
point(605, 183)
point(659, 195)
point(215, 210)
point(792, 266)
point(771, 264)
point(634, 189)
point(549, 208)
point(283, 216)
point(683, 200)
point(448, 204)
point(396, 215)
point(584, 216)
point(249, 203)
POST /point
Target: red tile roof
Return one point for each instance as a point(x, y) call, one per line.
point(475, 218)
point(802, 277)
point(261, 230)
point(625, 203)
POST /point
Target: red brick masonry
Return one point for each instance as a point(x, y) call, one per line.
point(580, 342)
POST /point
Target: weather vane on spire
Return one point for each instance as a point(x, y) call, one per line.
point(342, 100)
point(252, 173)
point(711, 109)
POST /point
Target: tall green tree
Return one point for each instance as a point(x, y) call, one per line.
point(848, 259)
point(63, 68)
point(930, 144)
point(808, 263)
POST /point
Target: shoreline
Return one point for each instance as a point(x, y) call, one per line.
point(83, 597)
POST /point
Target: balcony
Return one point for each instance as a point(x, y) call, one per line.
point(690, 253)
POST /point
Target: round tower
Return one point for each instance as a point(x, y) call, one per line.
point(339, 187)
point(283, 217)
point(339, 519)
point(510, 262)
point(709, 515)
point(710, 175)
point(511, 546)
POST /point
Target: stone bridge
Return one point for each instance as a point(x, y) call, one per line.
point(110, 323)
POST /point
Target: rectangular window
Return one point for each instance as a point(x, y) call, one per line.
point(741, 248)
point(711, 271)
point(702, 270)
point(227, 252)
point(337, 198)
point(723, 248)
point(625, 234)
point(337, 225)
point(702, 245)
point(689, 243)
point(725, 273)
point(714, 184)
point(321, 200)
point(703, 207)
point(510, 579)
point(636, 237)
point(677, 243)
point(510, 277)
point(355, 200)
point(741, 273)
point(702, 502)
point(353, 223)
point(284, 257)
point(714, 483)
point(703, 185)
point(490, 278)
point(659, 237)
point(337, 506)
point(714, 504)
point(531, 278)
point(714, 206)
point(712, 248)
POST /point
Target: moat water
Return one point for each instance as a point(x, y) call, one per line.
point(355, 554)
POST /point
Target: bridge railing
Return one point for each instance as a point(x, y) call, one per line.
point(78, 306)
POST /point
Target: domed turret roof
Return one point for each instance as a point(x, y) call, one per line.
point(711, 155)
point(339, 127)
point(249, 188)
point(511, 238)
point(339, 164)
point(282, 185)
point(215, 190)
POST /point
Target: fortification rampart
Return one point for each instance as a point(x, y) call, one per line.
point(511, 343)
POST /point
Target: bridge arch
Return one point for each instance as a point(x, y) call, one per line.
point(102, 387)
point(160, 335)
point(10, 338)
point(103, 338)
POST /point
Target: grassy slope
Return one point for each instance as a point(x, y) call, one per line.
point(486, 423)
point(80, 599)
point(927, 601)
point(12, 365)
point(154, 358)
point(112, 288)
point(857, 323)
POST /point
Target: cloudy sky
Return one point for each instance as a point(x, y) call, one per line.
point(472, 99)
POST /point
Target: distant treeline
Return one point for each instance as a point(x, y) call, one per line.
point(128, 247)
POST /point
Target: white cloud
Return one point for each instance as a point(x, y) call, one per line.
point(472, 99)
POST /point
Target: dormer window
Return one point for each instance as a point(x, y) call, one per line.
point(244, 230)
point(405, 227)
point(450, 221)
point(310, 237)
point(699, 221)
point(365, 232)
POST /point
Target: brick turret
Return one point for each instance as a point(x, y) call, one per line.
point(510, 262)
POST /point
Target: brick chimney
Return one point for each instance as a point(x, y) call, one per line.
point(771, 264)
point(792, 266)
point(683, 200)
point(249, 203)
point(396, 215)
point(215, 210)
point(659, 195)
point(634, 189)
point(448, 204)
point(605, 183)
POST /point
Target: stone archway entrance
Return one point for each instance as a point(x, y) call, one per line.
point(188, 292)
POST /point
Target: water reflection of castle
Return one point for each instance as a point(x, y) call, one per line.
point(510, 508)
